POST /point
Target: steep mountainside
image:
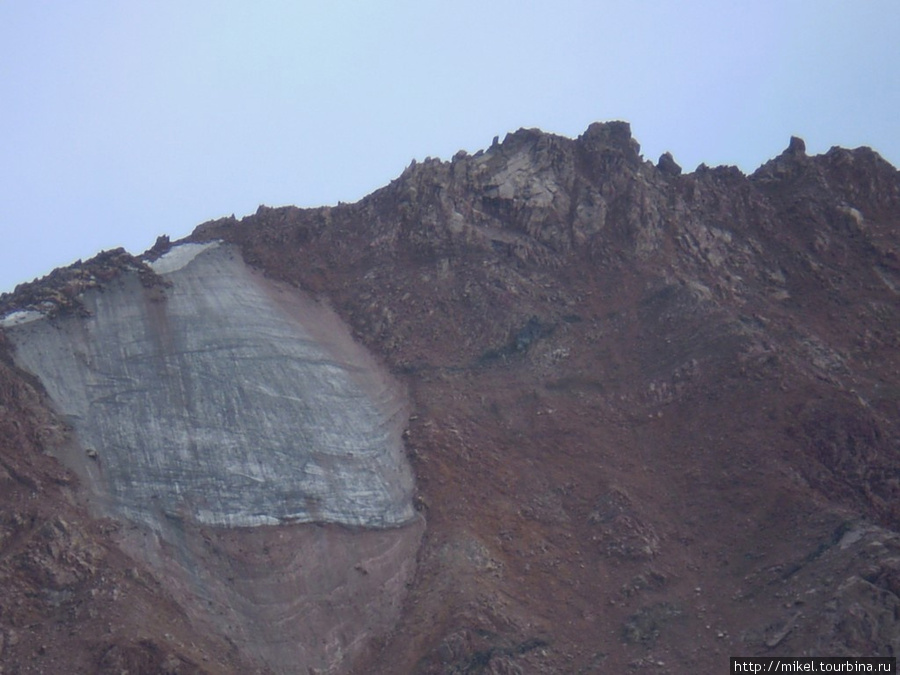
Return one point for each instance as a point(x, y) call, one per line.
point(653, 422)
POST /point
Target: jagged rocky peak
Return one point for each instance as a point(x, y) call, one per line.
point(601, 141)
point(615, 136)
point(792, 160)
point(538, 196)
point(796, 147)
point(668, 165)
point(604, 150)
point(600, 138)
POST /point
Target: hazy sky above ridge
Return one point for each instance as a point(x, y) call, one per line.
point(125, 120)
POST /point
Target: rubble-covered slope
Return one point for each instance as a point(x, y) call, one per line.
point(654, 415)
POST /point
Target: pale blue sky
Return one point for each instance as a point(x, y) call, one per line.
point(123, 120)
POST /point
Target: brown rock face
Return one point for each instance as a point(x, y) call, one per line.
point(654, 422)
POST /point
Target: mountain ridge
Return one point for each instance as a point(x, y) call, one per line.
point(654, 413)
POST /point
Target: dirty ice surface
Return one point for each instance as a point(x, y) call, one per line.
point(224, 398)
point(20, 317)
point(179, 256)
